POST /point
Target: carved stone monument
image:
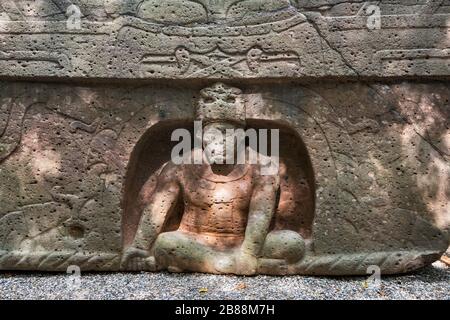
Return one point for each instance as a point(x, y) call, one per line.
point(354, 98)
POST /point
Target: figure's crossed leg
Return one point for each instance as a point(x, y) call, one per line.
point(178, 251)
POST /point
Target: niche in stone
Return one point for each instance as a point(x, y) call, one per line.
point(217, 218)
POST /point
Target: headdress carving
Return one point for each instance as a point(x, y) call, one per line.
point(221, 102)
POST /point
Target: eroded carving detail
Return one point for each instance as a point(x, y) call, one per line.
point(26, 58)
point(222, 63)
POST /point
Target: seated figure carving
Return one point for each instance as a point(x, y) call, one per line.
point(228, 208)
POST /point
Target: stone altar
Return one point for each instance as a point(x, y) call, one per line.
point(91, 92)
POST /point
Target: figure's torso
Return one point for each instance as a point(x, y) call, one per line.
point(216, 205)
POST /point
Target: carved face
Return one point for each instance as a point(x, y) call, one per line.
point(215, 142)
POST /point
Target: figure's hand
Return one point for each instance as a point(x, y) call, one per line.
point(135, 259)
point(246, 264)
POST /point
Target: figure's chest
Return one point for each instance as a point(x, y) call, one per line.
point(204, 193)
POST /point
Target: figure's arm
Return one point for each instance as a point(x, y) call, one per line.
point(157, 212)
point(262, 209)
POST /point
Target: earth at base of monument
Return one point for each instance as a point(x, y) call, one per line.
point(430, 283)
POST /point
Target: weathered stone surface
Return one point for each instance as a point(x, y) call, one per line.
point(364, 126)
point(79, 160)
point(224, 39)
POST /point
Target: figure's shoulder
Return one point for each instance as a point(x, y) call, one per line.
point(263, 175)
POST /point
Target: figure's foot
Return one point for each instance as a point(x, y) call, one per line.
point(151, 265)
point(174, 269)
point(135, 259)
point(246, 264)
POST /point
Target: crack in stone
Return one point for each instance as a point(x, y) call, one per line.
point(443, 155)
point(319, 32)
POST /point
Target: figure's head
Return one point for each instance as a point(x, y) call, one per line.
point(222, 110)
point(215, 141)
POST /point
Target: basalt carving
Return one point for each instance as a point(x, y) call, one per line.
point(361, 151)
point(230, 215)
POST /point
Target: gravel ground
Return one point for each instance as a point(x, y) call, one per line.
point(430, 283)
